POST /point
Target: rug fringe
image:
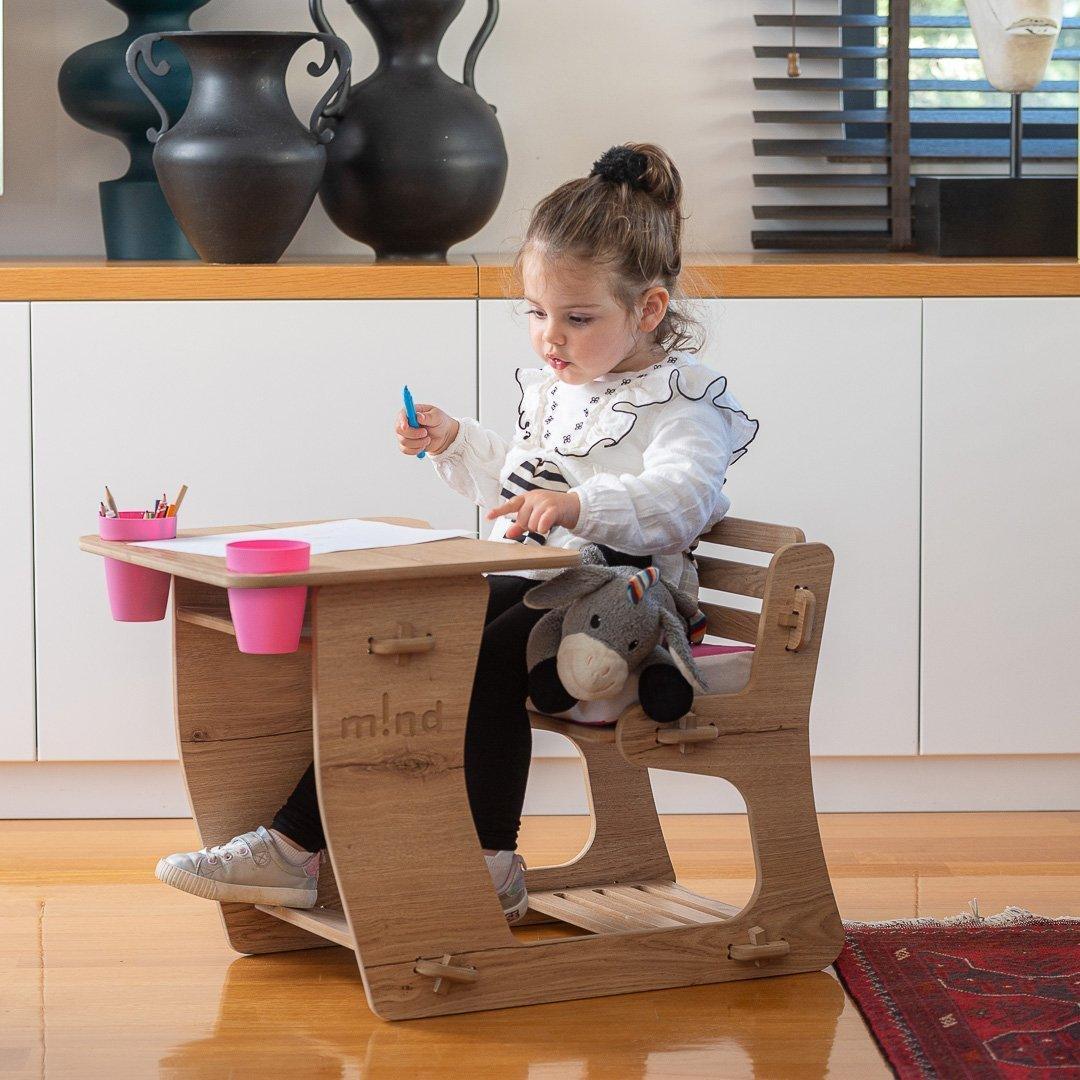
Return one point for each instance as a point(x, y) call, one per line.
point(1011, 916)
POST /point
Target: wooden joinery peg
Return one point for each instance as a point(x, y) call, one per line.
point(758, 949)
point(443, 972)
point(403, 646)
point(687, 733)
point(800, 619)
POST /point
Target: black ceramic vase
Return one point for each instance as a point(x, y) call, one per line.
point(418, 162)
point(239, 170)
point(95, 91)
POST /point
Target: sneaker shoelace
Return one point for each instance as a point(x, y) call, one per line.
point(237, 847)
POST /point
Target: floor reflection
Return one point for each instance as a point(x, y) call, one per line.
point(105, 973)
point(728, 1030)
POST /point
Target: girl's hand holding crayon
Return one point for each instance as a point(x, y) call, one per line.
point(539, 512)
point(436, 432)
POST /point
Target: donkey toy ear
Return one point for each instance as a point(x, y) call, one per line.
point(679, 646)
point(570, 585)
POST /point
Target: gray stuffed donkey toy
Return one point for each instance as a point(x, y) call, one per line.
point(605, 622)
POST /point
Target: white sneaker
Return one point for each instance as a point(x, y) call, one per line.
point(249, 869)
point(507, 869)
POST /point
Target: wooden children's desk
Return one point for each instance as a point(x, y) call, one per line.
point(380, 702)
point(378, 694)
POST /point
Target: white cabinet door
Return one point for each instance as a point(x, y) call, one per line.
point(268, 410)
point(835, 387)
point(1001, 517)
point(16, 552)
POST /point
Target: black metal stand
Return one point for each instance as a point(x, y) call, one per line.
point(1010, 215)
point(1016, 138)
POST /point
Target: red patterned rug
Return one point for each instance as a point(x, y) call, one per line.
point(969, 998)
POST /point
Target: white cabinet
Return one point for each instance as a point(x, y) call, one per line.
point(1001, 516)
point(504, 347)
point(276, 410)
point(835, 386)
point(16, 552)
point(268, 410)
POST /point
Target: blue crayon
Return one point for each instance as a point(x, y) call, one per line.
point(410, 412)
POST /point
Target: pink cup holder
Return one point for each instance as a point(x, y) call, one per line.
point(268, 620)
point(136, 593)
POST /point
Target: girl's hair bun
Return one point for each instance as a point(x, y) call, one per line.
point(622, 165)
point(642, 167)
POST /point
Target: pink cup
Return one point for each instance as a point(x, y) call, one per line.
point(268, 620)
point(136, 593)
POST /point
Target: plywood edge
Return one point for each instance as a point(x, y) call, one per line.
point(830, 275)
point(359, 278)
point(487, 276)
point(325, 922)
point(454, 557)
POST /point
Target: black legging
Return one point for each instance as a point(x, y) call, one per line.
point(498, 735)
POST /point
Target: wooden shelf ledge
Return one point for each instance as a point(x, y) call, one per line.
point(644, 905)
point(487, 277)
point(328, 923)
point(831, 274)
point(215, 619)
point(603, 909)
point(359, 278)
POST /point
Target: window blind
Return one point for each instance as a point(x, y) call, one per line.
point(909, 90)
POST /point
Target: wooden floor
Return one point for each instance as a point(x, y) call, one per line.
point(104, 972)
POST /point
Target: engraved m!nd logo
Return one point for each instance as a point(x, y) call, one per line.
point(383, 723)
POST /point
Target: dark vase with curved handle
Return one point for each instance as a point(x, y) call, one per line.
point(418, 162)
point(96, 92)
point(239, 170)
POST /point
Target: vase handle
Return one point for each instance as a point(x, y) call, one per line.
point(331, 104)
point(478, 43)
point(335, 108)
point(144, 47)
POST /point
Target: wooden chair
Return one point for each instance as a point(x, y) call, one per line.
point(622, 886)
point(380, 690)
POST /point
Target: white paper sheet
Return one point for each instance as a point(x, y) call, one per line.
point(351, 534)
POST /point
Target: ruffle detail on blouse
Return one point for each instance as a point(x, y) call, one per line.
point(532, 382)
point(614, 416)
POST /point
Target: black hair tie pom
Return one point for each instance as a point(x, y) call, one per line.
point(621, 165)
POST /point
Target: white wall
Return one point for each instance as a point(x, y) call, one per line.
point(569, 78)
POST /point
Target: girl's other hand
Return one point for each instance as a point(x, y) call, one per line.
point(436, 432)
point(539, 512)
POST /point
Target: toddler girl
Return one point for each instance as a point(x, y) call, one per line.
point(622, 440)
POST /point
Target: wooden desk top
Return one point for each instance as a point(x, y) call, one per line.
point(486, 276)
point(439, 558)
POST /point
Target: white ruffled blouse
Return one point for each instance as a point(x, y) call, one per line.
point(646, 453)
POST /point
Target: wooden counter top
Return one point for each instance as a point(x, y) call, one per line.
point(859, 275)
point(487, 277)
point(359, 278)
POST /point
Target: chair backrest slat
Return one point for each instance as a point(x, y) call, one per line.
point(753, 535)
point(732, 623)
point(744, 579)
point(741, 579)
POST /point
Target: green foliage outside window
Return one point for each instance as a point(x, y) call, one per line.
point(925, 37)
